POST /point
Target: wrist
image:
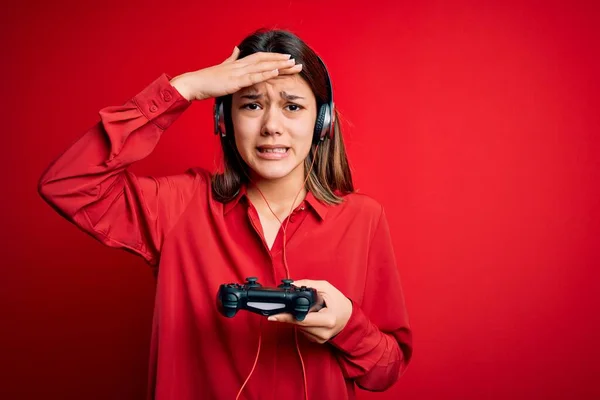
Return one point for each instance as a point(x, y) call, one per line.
point(181, 84)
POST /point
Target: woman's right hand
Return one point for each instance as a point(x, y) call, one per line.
point(233, 74)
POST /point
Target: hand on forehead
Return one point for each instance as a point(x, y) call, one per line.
point(289, 88)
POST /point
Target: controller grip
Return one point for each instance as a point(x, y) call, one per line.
point(301, 308)
point(227, 303)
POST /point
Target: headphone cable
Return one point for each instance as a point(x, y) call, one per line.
point(287, 275)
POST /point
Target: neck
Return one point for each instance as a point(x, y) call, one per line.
point(279, 193)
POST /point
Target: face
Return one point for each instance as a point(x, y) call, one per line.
point(273, 123)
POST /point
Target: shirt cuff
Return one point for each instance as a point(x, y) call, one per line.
point(358, 334)
point(160, 102)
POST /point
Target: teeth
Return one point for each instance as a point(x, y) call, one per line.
point(276, 150)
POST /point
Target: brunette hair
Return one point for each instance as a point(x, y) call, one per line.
point(330, 177)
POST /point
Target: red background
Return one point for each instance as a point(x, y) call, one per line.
point(476, 125)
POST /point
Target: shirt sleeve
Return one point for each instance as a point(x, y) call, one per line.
point(375, 346)
point(90, 184)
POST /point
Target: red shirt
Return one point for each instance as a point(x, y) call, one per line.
point(199, 243)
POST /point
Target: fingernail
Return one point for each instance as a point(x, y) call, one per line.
point(289, 55)
point(272, 318)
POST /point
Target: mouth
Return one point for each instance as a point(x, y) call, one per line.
point(272, 152)
point(273, 149)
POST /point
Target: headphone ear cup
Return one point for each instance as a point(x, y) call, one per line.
point(332, 121)
point(320, 126)
point(219, 118)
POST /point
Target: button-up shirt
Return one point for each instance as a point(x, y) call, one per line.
point(197, 243)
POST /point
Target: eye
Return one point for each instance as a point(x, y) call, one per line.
point(251, 106)
point(295, 107)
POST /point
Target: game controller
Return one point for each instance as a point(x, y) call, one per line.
point(252, 296)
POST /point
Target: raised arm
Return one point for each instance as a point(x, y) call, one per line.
point(90, 185)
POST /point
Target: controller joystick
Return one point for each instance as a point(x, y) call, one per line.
point(286, 283)
point(252, 282)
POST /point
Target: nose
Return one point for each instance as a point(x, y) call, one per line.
point(272, 122)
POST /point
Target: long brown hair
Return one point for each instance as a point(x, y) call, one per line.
point(330, 177)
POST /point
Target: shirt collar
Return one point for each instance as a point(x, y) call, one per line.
point(319, 207)
point(232, 203)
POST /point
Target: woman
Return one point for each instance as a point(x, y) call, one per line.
point(202, 230)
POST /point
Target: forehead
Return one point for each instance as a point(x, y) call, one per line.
point(292, 84)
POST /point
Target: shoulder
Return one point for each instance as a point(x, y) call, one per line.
point(188, 182)
point(362, 204)
point(199, 176)
point(199, 173)
point(360, 210)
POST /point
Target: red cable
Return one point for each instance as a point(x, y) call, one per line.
point(287, 271)
point(255, 359)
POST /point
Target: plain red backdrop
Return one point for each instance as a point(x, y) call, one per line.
point(476, 125)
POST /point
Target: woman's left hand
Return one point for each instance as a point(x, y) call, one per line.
point(324, 324)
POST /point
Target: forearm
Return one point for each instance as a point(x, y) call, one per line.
point(124, 135)
point(374, 359)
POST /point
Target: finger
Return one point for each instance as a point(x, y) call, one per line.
point(268, 66)
point(303, 282)
point(292, 70)
point(283, 317)
point(323, 319)
point(234, 55)
point(318, 305)
point(319, 285)
point(264, 56)
point(252, 79)
point(322, 287)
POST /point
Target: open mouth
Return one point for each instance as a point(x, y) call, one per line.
point(275, 150)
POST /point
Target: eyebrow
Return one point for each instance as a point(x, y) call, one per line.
point(284, 95)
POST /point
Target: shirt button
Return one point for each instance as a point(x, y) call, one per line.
point(153, 108)
point(166, 95)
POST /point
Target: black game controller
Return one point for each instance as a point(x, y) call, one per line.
point(252, 296)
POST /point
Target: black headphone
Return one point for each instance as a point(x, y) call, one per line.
point(324, 125)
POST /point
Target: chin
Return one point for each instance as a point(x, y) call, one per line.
point(272, 172)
